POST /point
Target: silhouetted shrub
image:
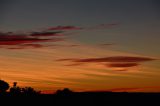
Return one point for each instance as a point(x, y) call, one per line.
point(4, 86)
point(65, 91)
point(15, 90)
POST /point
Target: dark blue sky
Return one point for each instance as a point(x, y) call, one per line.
point(28, 14)
point(139, 20)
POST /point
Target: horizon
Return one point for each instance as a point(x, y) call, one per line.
point(83, 45)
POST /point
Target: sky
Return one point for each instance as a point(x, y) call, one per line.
point(84, 45)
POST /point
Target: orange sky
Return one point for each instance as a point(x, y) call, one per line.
point(40, 69)
point(84, 45)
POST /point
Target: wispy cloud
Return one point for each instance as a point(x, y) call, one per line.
point(9, 40)
point(65, 28)
point(52, 34)
point(106, 44)
point(115, 59)
point(102, 26)
point(45, 33)
point(133, 89)
point(120, 63)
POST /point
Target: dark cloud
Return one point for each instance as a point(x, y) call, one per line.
point(66, 59)
point(123, 89)
point(19, 39)
point(33, 45)
point(103, 26)
point(65, 28)
point(107, 25)
point(106, 44)
point(44, 33)
point(120, 63)
point(132, 89)
point(53, 34)
point(70, 45)
point(115, 59)
point(9, 40)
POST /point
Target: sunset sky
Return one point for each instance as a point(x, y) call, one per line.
point(84, 45)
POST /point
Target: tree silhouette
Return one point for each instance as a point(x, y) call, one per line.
point(4, 86)
point(15, 89)
point(30, 91)
point(65, 91)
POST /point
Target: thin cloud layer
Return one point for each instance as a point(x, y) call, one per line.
point(102, 26)
point(120, 63)
point(65, 28)
point(52, 34)
point(133, 89)
point(106, 44)
point(10, 39)
point(45, 33)
point(115, 59)
point(13, 39)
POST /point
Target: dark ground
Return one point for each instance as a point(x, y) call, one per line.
point(83, 99)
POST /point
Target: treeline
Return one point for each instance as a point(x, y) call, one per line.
point(5, 89)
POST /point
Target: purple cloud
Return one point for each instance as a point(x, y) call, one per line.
point(65, 28)
point(120, 62)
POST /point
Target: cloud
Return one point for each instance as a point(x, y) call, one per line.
point(106, 44)
point(122, 65)
point(133, 89)
point(65, 28)
point(53, 34)
point(44, 33)
point(123, 89)
point(115, 59)
point(66, 59)
point(119, 63)
point(19, 39)
point(9, 40)
point(102, 26)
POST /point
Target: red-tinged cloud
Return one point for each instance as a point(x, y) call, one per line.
point(102, 26)
point(71, 59)
point(44, 33)
point(123, 89)
point(122, 65)
point(32, 45)
point(72, 45)
point(119, 63)
point(64, 28)
point(115, 59)
point(139, 89)
point(106, 44)
point(10, 40)
point(19, 39)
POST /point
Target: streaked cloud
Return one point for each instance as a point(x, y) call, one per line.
point(45, 33)
point(133, 89)
point(35, 40)
point(102, 26)
point(65, 28)
point(122, 65)
point(115, 59)
point(119, 63)
point(106, 44)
